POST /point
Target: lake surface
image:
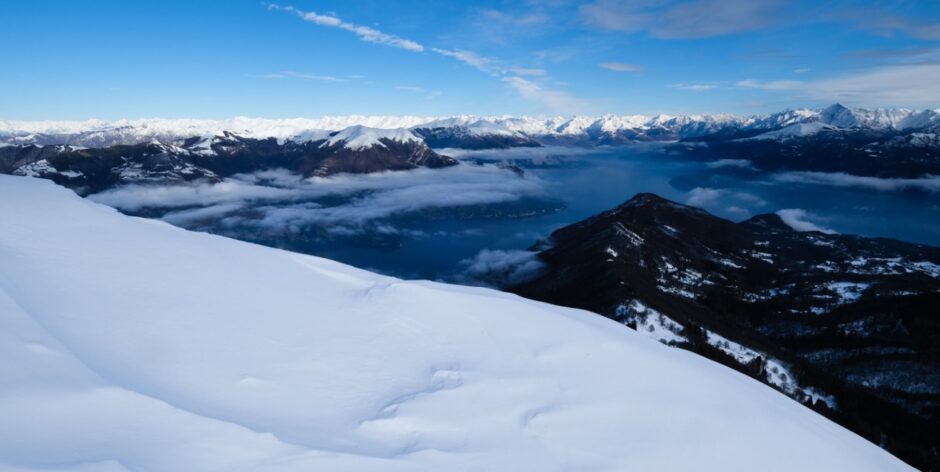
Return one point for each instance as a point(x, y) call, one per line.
point(431, 224)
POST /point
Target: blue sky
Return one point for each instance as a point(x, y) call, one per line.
point(216, 59)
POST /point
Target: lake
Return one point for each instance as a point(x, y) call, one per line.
point(431, 224)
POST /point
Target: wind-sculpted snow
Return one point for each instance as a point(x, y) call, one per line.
point(129, 344)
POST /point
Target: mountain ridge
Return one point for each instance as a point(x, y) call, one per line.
point(840, 323)
point(100, 133)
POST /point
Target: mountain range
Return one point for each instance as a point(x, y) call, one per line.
point(469, 131)
point(94, 155)
point(356, 149)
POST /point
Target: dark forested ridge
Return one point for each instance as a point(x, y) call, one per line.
point(847, 325)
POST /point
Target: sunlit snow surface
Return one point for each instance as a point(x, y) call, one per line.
point(131, 344)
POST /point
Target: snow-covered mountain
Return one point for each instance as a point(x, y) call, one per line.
point(461, 131)
point(129, 344)
point(360, 137)
point(356, 149)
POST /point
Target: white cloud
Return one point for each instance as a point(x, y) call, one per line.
point(694, 87)
point(302, 76)
point(551, 99)
point(364, 33)
point(621, 67)
point(281, 201)
point(798, 219)
point(703, 196)
point(499, 268)
point(734, 202)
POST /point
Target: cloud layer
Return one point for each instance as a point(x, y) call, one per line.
point(278, 201)
point(840, 179)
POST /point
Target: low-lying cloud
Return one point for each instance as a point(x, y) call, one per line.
point(930, 183)
point(340, 205)
point(500, 268)
point(703, 196)
point(725, 163)
point(799, 220)
point(734, 203)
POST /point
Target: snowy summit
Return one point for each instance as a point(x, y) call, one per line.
point(362, 137)
point(130, 344)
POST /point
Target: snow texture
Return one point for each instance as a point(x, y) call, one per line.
point(361, 137)
point(130, 344)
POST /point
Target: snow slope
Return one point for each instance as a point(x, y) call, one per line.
point(130, 344)
point(794, 130)
point(361, 137)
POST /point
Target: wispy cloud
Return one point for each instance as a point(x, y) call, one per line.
point(885, 23)
point(621, 67)
point(915, 85)
point(681, 20)
point(302, 76)
point(506, 19)
point(528, 71)
point(770, 84)
point(694, 87)
point(513, 77)
point(364, 33)
point(553, 99)
point(472, 59)
point(420, 90)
